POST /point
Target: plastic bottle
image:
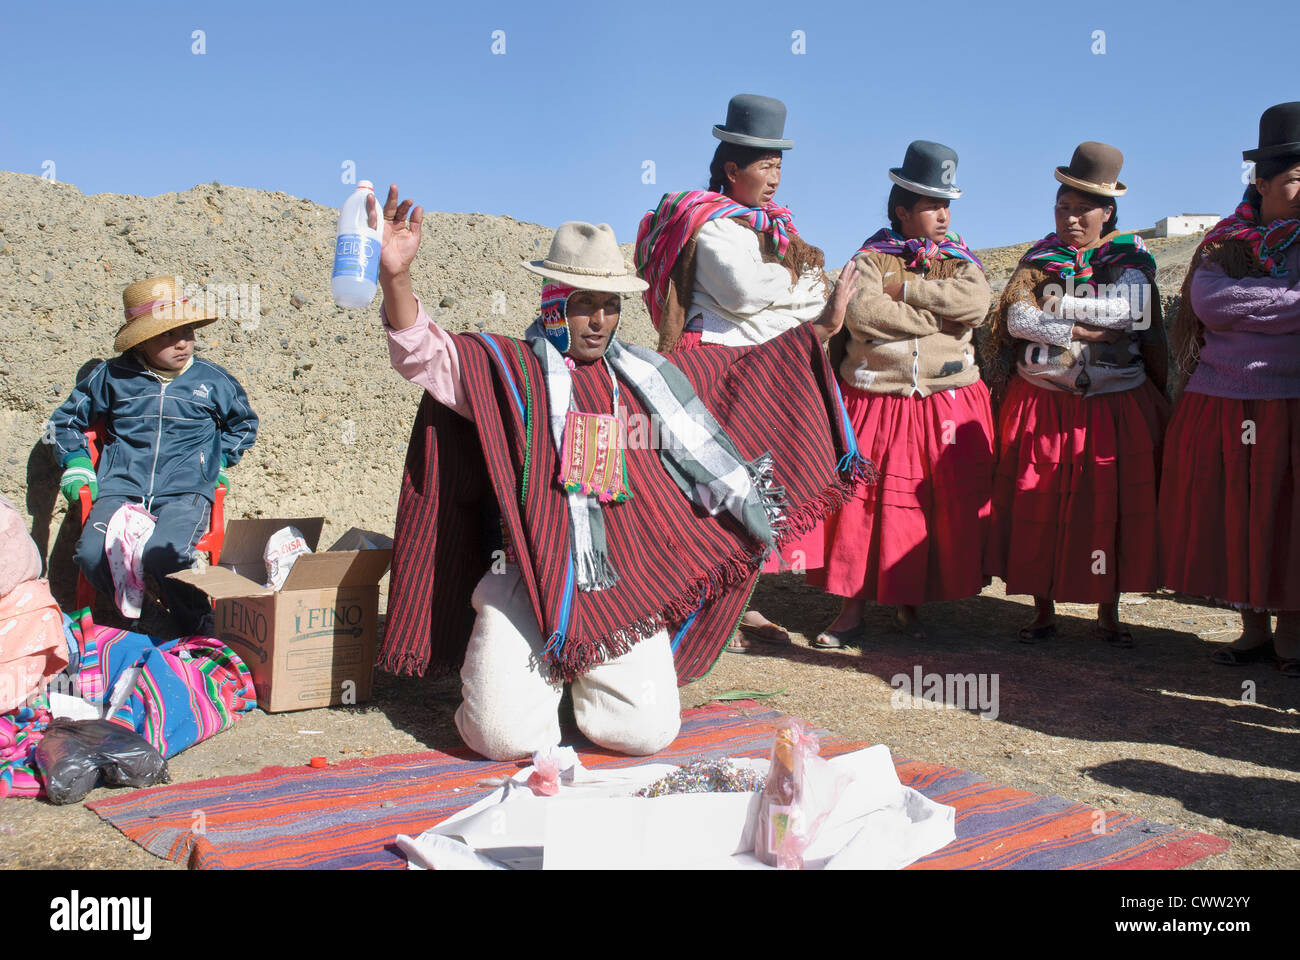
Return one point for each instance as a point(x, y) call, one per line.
point(356, 252)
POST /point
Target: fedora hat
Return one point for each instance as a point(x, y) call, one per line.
point(754, 121)
point(928, 169)
point(586, 256)
point(1279, 132)
point(1094, 168)
point(156, 305)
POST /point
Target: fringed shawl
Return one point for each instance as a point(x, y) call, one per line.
point(679, 568)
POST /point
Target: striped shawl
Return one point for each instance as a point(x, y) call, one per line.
point(678, 567)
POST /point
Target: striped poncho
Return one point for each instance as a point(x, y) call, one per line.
point(678, 567)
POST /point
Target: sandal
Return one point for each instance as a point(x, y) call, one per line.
point(768, 633)
point(1038, 634)
point(913, 628)
point(1238, 657)
point(1289, 666)
point(1121, 638)
point(838, 639)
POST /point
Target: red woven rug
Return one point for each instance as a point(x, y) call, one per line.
point(347, 816)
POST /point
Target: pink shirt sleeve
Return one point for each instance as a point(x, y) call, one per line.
point(425, 354)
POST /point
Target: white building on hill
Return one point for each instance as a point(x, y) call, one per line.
point(1185, 225)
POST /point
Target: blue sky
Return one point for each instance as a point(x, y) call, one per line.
point(560, 125)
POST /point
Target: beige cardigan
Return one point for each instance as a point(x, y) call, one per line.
point(921, 344)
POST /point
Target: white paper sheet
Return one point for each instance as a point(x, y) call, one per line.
point(877, 823)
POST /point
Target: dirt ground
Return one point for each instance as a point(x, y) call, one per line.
point(1157, 731)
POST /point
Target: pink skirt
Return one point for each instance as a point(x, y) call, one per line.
point(1230, 501)
point(1074, 497)
point(918, 533)
point(803, 553)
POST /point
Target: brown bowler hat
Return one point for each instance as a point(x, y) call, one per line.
point(156, 305)
point(1094, 168)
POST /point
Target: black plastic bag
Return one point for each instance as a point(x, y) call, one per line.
point(74, 755)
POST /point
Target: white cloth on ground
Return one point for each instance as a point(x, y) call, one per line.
point(509, 709)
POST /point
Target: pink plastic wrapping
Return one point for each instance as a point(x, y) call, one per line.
point(801, 791)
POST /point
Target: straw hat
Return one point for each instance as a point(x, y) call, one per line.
point(587, 257)
point(1094, 168)
point(154, 306)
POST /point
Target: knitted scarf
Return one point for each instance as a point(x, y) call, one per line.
point(919, 252)
point(694, 450)
point(1269, 244)
point(1060, 260)
point(665, 231)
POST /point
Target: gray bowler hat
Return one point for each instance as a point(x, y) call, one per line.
point(929, 169)
point(754, 121)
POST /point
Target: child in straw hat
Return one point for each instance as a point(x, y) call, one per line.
point(173, 423)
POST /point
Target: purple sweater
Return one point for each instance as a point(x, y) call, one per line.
point(1252, 333)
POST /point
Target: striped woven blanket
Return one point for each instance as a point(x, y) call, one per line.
point(678, 567)
point(347, 815)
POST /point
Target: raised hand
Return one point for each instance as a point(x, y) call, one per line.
point(401, 238)
point(832, 318)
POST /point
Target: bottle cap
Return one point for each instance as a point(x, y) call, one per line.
point(366, 185)
point(318, 762)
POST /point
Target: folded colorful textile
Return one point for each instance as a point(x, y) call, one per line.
point(20, 731)
point(188, 688)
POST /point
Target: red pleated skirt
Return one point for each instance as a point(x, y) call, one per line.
point(805, 551)
point(1074, 497)
point(1230, 501)
point(917, 534)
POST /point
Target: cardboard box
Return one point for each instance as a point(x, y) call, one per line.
point(313, 643)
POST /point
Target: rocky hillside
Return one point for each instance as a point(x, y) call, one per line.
point(335, 417)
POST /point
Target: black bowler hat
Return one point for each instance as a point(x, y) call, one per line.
point(929, 169)
point(754, 121)
point(1279, 132)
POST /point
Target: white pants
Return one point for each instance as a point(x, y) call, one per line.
point(509, 709)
